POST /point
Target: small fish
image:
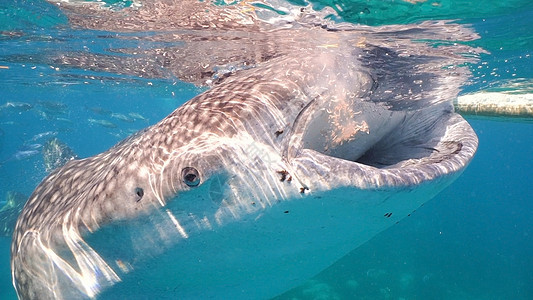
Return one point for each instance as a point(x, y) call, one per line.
point(104, 123)
point(26, 147)
point(17, 106)
point(64, 120)
point(122, 117)
point(137, 116)
point(21, 155)
point(53, 107)
point(43, 135)
point(98, 110)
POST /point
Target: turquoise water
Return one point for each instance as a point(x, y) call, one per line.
point(473, 241)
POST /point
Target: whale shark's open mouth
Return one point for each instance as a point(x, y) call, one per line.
point(405, 156)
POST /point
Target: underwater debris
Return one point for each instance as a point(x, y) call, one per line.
point(56, 154)
point(10, 211)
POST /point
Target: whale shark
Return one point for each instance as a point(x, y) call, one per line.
point(311, 138)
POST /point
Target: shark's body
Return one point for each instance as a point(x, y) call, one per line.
point(260, 182)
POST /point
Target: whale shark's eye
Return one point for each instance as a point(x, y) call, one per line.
point(191, 177)
point(139, 193)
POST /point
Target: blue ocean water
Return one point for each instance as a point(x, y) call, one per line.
point(473, 241)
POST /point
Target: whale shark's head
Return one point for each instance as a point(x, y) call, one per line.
point(224, 159)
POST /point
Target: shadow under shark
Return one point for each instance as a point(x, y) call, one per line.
point(270, 176)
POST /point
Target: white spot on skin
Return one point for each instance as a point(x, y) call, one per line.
point(99, 189)
point(111, 185)
point(54, 197)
